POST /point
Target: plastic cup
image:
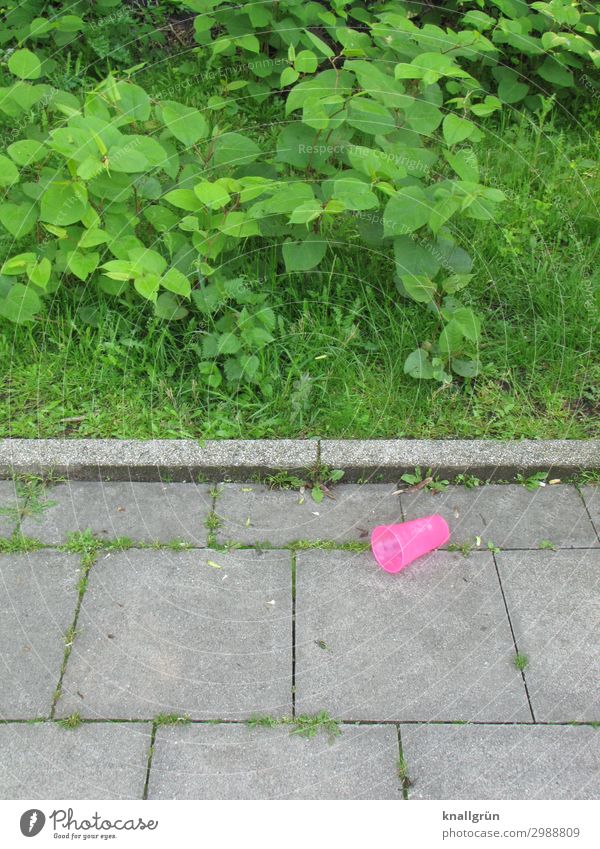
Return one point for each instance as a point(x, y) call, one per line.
point(395, 546)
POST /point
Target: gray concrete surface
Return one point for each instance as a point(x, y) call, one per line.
point(144, 512)
point(236, 762)
point(502, 762)
point(94, 761)
point(241, 628)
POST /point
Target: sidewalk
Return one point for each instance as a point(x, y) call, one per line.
point(157, 619)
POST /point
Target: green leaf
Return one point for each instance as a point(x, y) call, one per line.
point(125, 158)
point(18, 264)
point(464, 162)
point(25, 65)
point(355, 194)
point(63, 203)
point(239, 225)
point(147, 286)
point(18, 219)
point(288, 77)
point(302, 256)
point(554, 72)
point(306, 212)
point(40, 272)
point(211, 374)
point(419, 288)
point(82, 265)
point(213, 195)
point(234, 149)
point(406, 211)
point(90, 168)
point(424, 117)
point(414, 258)
point(92, 237)
point(27, 152)
point(469, 323)
point(184, 199)
point(306, 62)
point(417, 365)
point(162, 219)
point(133, 101)
point(176, 282)
point(187, 124)
point(370, 117)
point(434, 66)
point(466, 368)
point(451, 338)
point(9, 173)
point(317, 494)
point(169, 308)
point(146, 260)
point(456, 282)
point(21, 304)
point(510, 90)
point(118, 269)
point(456, 129)
point(319, 44)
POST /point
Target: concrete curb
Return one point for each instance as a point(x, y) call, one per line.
point(375, 460)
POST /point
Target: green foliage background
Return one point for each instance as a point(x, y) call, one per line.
point(287, 132)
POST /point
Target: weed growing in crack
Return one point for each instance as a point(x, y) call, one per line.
point(304, 725)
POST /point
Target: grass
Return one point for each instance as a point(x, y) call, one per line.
point(336, 368)
point(305, 725)
point(72, 721)
point(521, 662)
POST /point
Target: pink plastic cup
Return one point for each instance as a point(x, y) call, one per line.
point(395, 546)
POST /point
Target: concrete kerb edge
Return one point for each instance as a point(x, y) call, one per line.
point(362, 460)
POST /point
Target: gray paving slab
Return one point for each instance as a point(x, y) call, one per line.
point(92, 761)
point(554, 603)
point(9, 505)
point(431, 642)
point(591, 497)
point(510, 516)
point(199, 633)
point(252, 513)
point(502, 762)
point(38, 596)
point(145, 512)
point(235, 762)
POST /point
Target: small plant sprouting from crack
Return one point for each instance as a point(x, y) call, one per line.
point(468, 481)
point(534, 481)
point(72, 721)
point(465, 548)
point(318, 481)
point(403, 773)
point(171, 719)
point(264, 722)
point(32, 491)
point(521, 661)
point(547, 545)
point(19, 543)
point(87, 545)
point(304, 725)
point(416, 481)
point(82, 542)
point(211, 524)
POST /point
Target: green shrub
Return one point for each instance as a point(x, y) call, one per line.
point(153, 200)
